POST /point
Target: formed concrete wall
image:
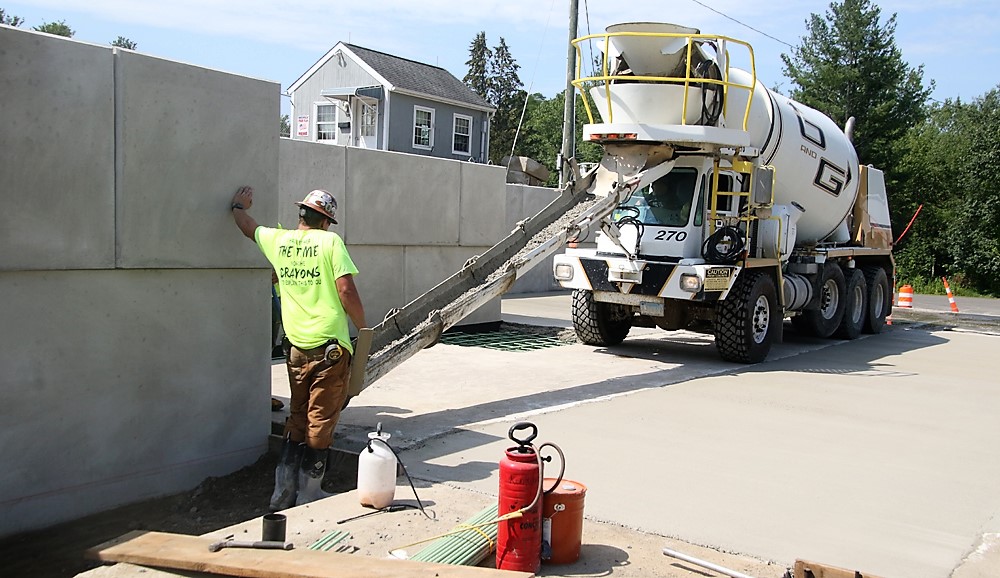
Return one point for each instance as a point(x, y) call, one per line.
point(118, 385)
point(58, 205)
point(188, 137)
point(523, 201)
point(134, 356)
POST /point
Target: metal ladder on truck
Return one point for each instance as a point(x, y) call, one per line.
point(421, 322)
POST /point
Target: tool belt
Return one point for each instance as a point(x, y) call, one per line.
point(332, 350)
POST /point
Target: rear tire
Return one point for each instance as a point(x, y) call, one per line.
point(747, 321)
point(855, 306)
point(879, 299)
point(824, 321)
point(599, 323)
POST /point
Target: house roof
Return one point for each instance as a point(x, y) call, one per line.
point(409, 76)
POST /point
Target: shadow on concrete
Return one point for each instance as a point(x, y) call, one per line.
point(595, 560)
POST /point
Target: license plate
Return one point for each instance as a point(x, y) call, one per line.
point(651, 308)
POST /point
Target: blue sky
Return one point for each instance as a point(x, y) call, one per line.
point(957, 41)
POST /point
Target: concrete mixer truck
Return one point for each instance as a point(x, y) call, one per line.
point(735, 206)
point(722, 207)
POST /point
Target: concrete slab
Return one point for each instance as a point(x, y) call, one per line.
point(306, 166)
point(214, 132)
point(866, 455)
point(871, 455)
point(421, 190)
point(43, 176)
point(93, 394)
point(482, 202)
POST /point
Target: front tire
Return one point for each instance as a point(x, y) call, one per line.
point(879, 299)
point(747, 321)
point(824, 321)
point(855, 306)
point(599, 323)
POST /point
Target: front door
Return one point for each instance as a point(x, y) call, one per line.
point(366, 125)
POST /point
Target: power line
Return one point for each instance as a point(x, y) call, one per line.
point(703, 5)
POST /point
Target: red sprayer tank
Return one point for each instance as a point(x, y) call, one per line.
point(519, 540)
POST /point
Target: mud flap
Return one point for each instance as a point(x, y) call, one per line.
point(360, 362)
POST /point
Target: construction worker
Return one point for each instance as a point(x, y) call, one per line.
point(318, 296)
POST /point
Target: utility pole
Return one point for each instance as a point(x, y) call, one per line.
point(569, 108)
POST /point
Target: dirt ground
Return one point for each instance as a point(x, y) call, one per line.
point(216, 503)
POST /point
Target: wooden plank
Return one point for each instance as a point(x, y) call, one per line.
point(362, 348)
point(805, 569)
point(182, 552)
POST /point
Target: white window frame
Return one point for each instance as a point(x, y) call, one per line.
point(368, 116)
point(335, 122)
point(430, 131)
point(455, 134)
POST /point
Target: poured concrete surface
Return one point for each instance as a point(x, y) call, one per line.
point(874, 455)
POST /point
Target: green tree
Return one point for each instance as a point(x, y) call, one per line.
point(286, 126)
point(122, 42)
point(505, 92)
point(541, 134)
point(849, 65)
point(477, 78)
point(9, 19)
point(974, 194)
point(58, 28)
point(928, 164)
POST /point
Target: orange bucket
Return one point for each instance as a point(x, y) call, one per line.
point(562, 521)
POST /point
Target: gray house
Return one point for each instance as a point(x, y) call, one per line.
point(358, 97)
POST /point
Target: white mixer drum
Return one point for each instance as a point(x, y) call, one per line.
point(815, 164)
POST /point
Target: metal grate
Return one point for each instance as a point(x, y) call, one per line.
point(502, 340)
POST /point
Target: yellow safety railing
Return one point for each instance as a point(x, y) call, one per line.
point(608, 79)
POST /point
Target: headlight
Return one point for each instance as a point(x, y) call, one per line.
point(563, 272)
point(690, 282)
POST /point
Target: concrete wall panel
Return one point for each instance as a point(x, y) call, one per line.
point(400, 199)
point(305, 166)
point(379, 279)
point(428, 266)
point(188, 138)
point(483, 205)
point(523, 202)
point(57, 143)
point(127, 384)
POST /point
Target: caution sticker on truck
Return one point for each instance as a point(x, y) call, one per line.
point(717, 278)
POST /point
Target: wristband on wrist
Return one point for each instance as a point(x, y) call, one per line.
point(237, 206)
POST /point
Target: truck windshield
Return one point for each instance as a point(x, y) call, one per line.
point(667, 202)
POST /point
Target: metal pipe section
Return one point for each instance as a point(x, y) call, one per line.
point(704, 564)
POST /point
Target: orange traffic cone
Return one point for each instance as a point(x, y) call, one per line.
point(905, 300)
point(951, 298)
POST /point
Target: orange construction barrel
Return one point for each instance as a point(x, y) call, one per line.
point(562, 521)
point(905, 297)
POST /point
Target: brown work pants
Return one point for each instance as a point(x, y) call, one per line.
point(318, 392)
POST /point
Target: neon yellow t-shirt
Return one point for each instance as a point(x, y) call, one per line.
point(308, 263)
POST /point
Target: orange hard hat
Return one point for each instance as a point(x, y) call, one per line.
point(322, 202)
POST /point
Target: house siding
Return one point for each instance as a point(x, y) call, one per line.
point(401, 128)
point(333, 74)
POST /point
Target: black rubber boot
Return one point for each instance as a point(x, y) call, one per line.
point(286, 478)
point(311, 476)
